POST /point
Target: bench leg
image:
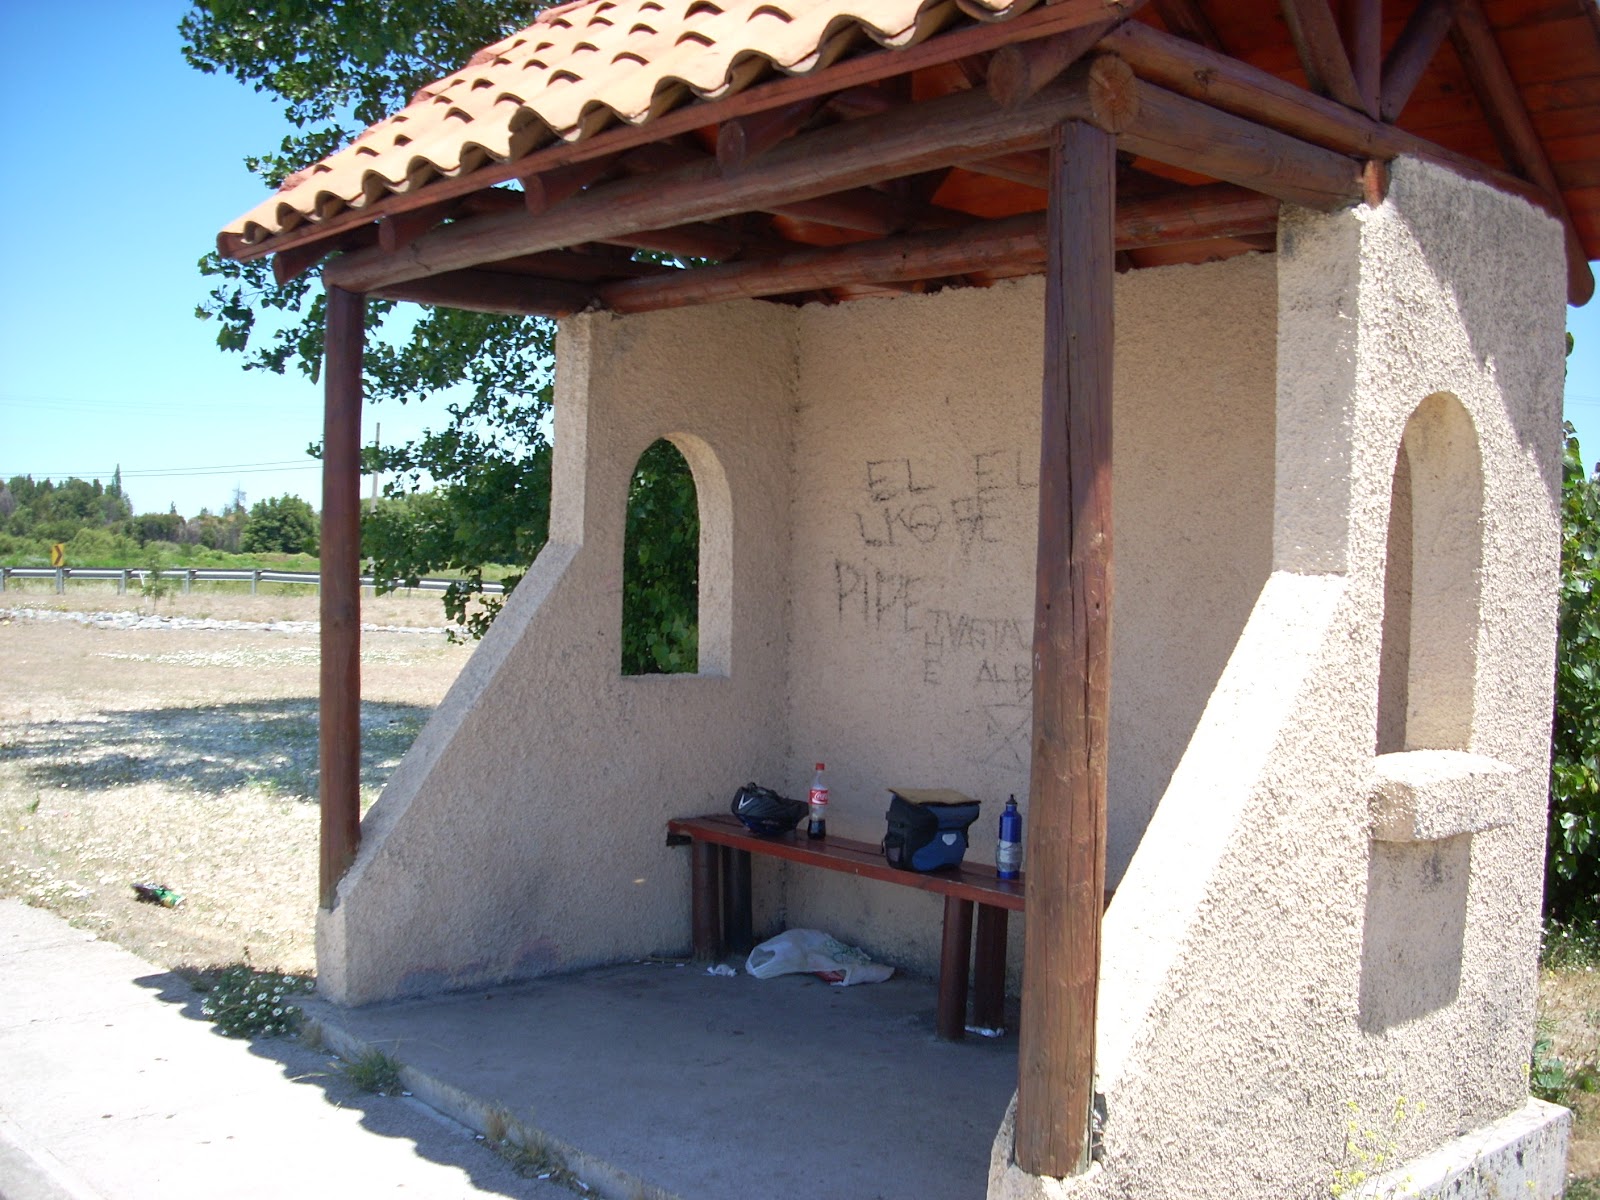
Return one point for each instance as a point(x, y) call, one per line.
point(954, 962)
point(737, 922)
point(705, 886)
point(989, 966)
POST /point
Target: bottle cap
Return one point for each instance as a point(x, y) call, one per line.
point(819, 766)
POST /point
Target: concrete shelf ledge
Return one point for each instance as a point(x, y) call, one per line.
point(1429, 795)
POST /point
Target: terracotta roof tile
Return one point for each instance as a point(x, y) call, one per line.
point(585, 66)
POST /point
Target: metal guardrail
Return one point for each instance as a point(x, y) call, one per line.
point(189, 576)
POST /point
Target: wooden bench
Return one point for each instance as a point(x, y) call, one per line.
point(721, 848)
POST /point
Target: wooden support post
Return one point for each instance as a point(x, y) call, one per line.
point(955, 965)
point(1071, 663)
point(989, 968)
point(704, 926)
point(339, 735)
point(738, 934)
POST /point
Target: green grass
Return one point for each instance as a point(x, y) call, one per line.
point(375, 1072)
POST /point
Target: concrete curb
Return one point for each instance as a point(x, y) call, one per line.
point(482, 1115)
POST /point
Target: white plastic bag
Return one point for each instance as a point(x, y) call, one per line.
point(795, 951)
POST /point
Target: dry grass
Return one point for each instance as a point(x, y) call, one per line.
point(188, 758)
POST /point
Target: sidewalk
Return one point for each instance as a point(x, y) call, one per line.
point(112, 1087)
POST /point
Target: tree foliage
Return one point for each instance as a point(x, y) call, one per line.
point(47, 511)
point(479, 482)
point(1572, 868)
point(660, 566)
point(286, 525)
point(336, 68)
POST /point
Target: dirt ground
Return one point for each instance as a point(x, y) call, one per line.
point(187, 757)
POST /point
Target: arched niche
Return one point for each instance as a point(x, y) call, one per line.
point(677, 556)
point(1432, 590)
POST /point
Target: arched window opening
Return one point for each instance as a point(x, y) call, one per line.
point(661, 566)
point(1428, 658)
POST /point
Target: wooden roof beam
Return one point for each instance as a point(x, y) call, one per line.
point(1513, 128)
point(296, 261)
point(1408, 59)
point(843, 79)
point(860, 209)
point(905, 141)
point(1322, 53)
point(744, 138)
point(492, 292)
point(1012, 243)
point(544, 191)
point(1362, 26)
point(718, 243)
point(1018, 71)
point(851, 154)
point(1185, 19)
point(1236, 87)
point(1027, 169)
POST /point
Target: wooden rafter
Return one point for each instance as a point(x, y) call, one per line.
point(842, 77)
point(1018, 71)
point(1239, 88)
point(1513, 128)
point(1013, 243)
point(908, 140)
point(492, 292)
point(1011, 246)
point(1316, 38)
point(745, 137)
point(1186, 20)
point(1419, 41)
point(1362, 28)
point(544, 191)
point(1180, 132)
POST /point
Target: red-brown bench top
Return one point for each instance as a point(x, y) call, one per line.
point(970, 881)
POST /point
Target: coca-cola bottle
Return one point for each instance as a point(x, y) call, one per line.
point(817, 825)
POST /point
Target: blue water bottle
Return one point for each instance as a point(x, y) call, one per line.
point(1008, 856)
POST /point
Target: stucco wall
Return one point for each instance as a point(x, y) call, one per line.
point(915, 525)
point(524, 832)
point(1271, 971)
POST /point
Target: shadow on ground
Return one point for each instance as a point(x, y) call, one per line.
point(435, 1138)
point(215, 748)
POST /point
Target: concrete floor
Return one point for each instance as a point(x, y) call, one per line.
point(659, 1080)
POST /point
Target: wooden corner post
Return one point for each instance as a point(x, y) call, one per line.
point(1071, 663)
point(339, 732)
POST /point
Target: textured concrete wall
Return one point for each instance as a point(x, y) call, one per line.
point(524, 832)
point(915, 529)
point(1271, 971)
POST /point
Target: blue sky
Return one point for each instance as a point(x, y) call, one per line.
point(120, 163)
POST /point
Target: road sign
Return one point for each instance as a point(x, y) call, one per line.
point(58, 554)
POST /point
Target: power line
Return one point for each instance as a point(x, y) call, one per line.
point(268, 468)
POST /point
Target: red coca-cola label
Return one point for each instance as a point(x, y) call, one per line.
point(819, 796)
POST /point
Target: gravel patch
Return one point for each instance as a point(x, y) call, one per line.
point(181, 750)
point(138, 620)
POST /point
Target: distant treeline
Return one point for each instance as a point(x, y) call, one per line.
point(98, 525)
